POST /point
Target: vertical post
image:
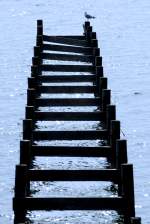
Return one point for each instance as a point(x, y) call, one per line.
point(106, 95)
point(35, 71)
point(88, 34)
point(94, 43)
point(85, 26)
point(99, 74)
point(121, 158)
point(98, 61)
point(102, 84)
point(37, 51)
point(27, 129)
point(110, 115)
point(31, 97)
point(32, 83)
point(20, 193)
point(96, 52)
point(25, 152)
point(29, 114)
point(39, 27)
point(114, 136)
point(128, 189)
point(39, 41)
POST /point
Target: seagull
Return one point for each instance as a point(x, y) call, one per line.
point(87, 16)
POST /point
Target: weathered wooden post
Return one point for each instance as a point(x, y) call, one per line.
point(101, 85)
point(106, 99)
point(25, 152)
point(39, 27)
point(128, 190)
point(20, 193)
point(114, 136)
point(27, 129)
point(31, 97)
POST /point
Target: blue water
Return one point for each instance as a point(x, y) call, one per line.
point(123, 31)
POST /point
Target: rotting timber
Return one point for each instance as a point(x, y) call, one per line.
point(80, 48)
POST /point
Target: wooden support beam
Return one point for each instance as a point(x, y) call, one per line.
point(64, 48)
point(104, 203)
point(66, 78)
point(71, 151)
point(70, 135)
point(66, 89)
point(67, 68)
point(74, 175)
point(44, 102)
point(69, 116)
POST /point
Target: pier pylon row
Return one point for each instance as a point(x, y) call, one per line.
point(44, 80)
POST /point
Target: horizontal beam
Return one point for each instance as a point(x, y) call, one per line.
point(68, 57)
point(63, 40)
point(74, 175)
point(71, 151)
point(78, 37)
point(69, 116)
point(80, 50)
point(44, 102)
point(67, 78)
point(70, 135)
point(66, 89)
point(109, 203)
point(67, 68)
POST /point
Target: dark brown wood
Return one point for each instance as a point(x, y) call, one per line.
point(98, 61)
point(74, 175)
point(102, 84)
point(114, 136)
point(67, 41)
point(94, 43)
point(67, 57)
point(70, 203)
point(25, 152)
point(27, 129)
point(106, 99)
point(20, 192)
point(37, 51)
point(96, 51)
point(67, 78)
point(71, 151)
point(110, 115)
point(66, 89)
point(70, 135)
point(67, 68)
point(121, 153)
point(29, 113)
point(64, 48)
point(31, 97)
point(128, 189)
point(44, 102)
point(39, 30)
point(68, 116)
point(39, 41)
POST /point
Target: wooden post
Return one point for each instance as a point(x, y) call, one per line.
point(114, 136)
point(31, 96)
point(37, 51)
point(32, 83)
point(85, 26)
point(110, 115)
point(93, 35)
point(101, 85)
point(20, 192)
point(35, 71)
point(88, 34)
point(27, 129)
point(98, 61)
point(29, 112)
point(128, 189)
point(121, 158)
point(135, 220)
point(40, 27)
point(39, 41)
point(36, 61)
point(94, 43)
point(96, 51)
point(39, 22)
point(106, 95)
point(99, 74)
point(25, 152)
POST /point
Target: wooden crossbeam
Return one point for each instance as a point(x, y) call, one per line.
point(70, 135)
point(71, 151)
point(44, 102)
point(67, 68)
point(67, 78)
point(69, 116)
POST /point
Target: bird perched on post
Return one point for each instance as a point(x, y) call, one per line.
point(87, 16)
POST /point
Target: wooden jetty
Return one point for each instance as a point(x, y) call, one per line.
point(81, 48)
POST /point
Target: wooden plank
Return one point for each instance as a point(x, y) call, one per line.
point(78, 37)
point(54, 47)
point(68, 57)
point(71, 151)
point(69, 116)
point(67, 78)
point(74, 175)
point(70, 135)
point(44, 102)
point(67, 68)
point(62, 40)
point(66, 89)
point(104, 203)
